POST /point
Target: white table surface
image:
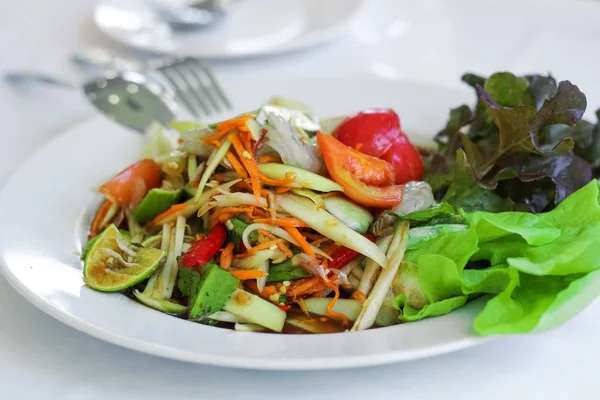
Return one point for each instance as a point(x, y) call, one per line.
point(428, 41)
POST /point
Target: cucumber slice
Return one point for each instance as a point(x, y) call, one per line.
point(156, 202)
point(351, 214)
point(255, 310)
point(108, 273)
point(162, 305)
point(304, 178)
point(213, 291)
point(349, 307)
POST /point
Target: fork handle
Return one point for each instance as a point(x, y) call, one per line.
point(32, 77)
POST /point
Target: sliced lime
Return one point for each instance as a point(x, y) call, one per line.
point(88, 246)
point(155, 202)
point(108, 268)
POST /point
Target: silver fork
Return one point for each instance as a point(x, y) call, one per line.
point(195, 85)
point(191, 80)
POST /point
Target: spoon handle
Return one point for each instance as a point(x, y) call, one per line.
point(33, 77)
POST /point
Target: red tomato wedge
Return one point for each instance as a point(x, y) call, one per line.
point(365, 179)
point(406, 160)
point(133, 183)
point(371, 131)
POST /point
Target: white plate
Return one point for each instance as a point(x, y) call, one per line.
point(247, 31)
point(48, 203)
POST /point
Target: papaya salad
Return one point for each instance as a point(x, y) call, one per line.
point(277, 221)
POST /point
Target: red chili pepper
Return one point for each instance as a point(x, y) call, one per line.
point(205, 249)
point(344, 255)
point(285, 308)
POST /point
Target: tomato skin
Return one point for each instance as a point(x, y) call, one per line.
point(371, 131)
point(125, 184)
point(342, 161)
point(405, 159)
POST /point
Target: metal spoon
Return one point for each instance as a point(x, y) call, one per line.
point(197, 14)
point(129, 97)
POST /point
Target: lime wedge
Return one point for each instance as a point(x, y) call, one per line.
point(155, 202)
point(108, 268)
point(88, 246)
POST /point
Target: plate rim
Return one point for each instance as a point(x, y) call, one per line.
point(147, 345)
point(327, 35)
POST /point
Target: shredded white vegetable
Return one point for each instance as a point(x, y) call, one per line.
point(372, 268)
point(118, 257)
point(395, 254)
point(277, 232)
point(254, 261)
point(124, 246)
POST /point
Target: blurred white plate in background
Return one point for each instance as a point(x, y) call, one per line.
point(249, 30)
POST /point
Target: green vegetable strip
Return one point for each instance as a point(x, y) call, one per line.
point(374, 301)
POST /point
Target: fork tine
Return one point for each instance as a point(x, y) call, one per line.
point(206, 84)
point(179, 91)
point(213, 82)
point(197, 89)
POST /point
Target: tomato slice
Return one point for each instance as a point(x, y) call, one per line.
point(371, 131)
point(133, 183)
point(365, 179)
point(405, 159)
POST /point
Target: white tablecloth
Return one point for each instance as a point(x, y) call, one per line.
point(428, 41)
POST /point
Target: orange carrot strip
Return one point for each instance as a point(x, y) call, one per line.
point(290, 177)
point(305, 287)
point(282, 246)
point(283, 189)
point(300, 239)
point(267, 291)
point(250, 164)
point(357, 294)
point(227, 126)
point(289, 222)
point(330, 313)
point(237, 166)
point(332, 248)
point(172, 210)
point(258, 247)
point(227, 256)
point(247, 274)
point(102, 211)
point(267, 158)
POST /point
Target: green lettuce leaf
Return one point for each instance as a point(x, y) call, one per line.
point(443, 307)
point(537, 303)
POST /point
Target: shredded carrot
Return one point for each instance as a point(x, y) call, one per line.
point(244, 275)
point(267, 159)
point(216, 143)
point(258, 247)
point(300, 239)
point(357, 294)
point(245, 138)
point(237, 166)
point(283, 222)
point(266, 292)
point(305, 287)
point(102, 211)
point(330, 313)
point(249, 162)
point(290, 177)
point(175, 208)
point(282, 246)
point(227, 126)
point(283, 189)
point(227, 256)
